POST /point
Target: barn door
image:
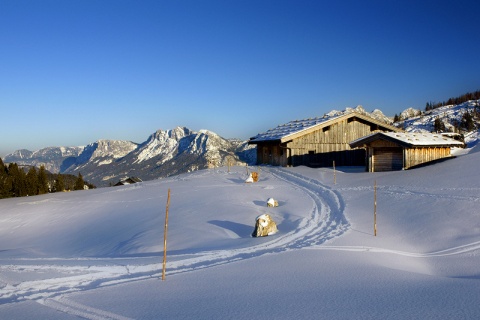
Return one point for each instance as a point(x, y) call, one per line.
point(387, 159)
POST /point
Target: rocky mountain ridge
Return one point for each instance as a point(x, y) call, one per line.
point(52, 158)
point(376, 114)
point(164, 153)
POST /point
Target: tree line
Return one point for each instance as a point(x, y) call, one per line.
point(16, 181)
point(454, 101)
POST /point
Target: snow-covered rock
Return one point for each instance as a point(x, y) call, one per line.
point(272, 202)
point(264, 226)
point(410, 113)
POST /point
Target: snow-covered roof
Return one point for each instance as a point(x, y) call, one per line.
point(284, 131)
point(289, 128)
point(409, 139)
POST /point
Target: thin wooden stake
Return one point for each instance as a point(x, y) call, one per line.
point(165, 237)
point(334, 173)
point(375, 209)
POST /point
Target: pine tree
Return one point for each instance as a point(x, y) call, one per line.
point(32, 182)
point(42, 181)
point(438, 125)
point(17, 180)
point(79, 183)
point(4, 188)
point(59, 185)
point(8, 187)
point(467, 121)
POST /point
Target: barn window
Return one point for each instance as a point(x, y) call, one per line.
point(325, 129)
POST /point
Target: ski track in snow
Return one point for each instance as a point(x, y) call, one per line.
point(80, 310)
point(325, 222)
point(469, 194)
point(441, 253)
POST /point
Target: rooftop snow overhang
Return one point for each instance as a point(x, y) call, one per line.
point(408, 140)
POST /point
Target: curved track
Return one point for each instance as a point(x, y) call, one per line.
point(325, 221)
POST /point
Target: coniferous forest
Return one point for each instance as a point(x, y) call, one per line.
point(21, 181)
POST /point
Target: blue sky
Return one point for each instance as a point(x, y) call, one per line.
point(73, 72)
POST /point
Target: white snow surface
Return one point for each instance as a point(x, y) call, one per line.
point(97, 254)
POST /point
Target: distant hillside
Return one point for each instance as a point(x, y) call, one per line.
point(52, 158)
point(463, 119)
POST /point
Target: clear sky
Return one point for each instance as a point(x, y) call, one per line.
point(73, 72)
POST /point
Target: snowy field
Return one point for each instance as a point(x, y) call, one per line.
point(98, 254)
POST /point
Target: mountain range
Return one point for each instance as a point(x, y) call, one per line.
point(180, 150)
point(164, 153)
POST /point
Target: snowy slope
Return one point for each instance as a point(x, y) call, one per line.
point(416, 121)
point(97, 254)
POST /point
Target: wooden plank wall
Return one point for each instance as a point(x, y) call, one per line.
point(271, 154)
point(387, 159)
point(417, 156)
point(378, 156)
point(330, 139)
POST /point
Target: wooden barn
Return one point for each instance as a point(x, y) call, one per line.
point(388, 151)
point(126, 181)
point(317, 142)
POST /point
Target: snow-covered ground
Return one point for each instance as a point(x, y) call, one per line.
point(97, 254)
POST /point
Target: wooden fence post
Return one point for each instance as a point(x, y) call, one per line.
point(375, 209)
point(165, 237)
point(334, 173)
